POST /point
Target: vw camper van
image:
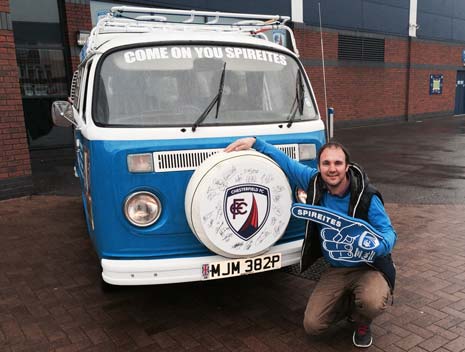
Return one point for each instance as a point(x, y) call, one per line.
point(156, 98)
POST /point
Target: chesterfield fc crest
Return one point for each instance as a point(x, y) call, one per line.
point(246, 208)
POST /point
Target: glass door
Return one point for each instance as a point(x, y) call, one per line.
point(42, 69)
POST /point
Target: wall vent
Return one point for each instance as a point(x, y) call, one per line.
point(360, 48)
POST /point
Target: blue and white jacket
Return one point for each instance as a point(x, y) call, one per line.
point(361, 201)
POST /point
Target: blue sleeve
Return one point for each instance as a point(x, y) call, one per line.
point(378, 218)
point(296, 172)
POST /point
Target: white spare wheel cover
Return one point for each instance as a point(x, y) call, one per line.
point(238, 204)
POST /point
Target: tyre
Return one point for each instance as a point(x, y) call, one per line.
point(238, 204)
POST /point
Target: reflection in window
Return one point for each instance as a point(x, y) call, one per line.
point(41, 72)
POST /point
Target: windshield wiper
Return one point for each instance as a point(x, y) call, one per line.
point(298, 103)
point(216, 100)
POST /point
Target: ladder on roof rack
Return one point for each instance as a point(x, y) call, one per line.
point(119, 10)
point(255, 24)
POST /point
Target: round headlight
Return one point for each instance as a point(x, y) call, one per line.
point(142, 209)
point(301, 195)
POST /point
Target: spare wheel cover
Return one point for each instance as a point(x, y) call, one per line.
point(238, 204)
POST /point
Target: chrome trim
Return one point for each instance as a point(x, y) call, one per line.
point(132, 195)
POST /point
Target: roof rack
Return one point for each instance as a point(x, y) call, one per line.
point(131, 19)
point(120, 10)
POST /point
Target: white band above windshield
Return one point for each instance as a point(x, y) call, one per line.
point(131, 134)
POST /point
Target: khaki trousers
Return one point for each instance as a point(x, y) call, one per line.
point(362, 293)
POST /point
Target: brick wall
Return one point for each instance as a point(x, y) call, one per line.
point(359, 92)
point(15, 165)
point(433, 58)
point(362, 92)
point(77, 14)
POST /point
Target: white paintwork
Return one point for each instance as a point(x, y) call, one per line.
point(167, 271)
point(93, 132)
point(297, 11)
point(413, 26)
point(103, 39)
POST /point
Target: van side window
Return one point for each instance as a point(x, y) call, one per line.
point(75, 84)
point(77, 96)
point(85, 89)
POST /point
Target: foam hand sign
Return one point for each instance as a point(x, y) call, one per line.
point(344, 238)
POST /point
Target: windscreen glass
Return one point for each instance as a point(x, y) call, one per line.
point(213, 85)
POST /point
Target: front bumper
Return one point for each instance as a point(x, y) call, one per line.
point(168, 271)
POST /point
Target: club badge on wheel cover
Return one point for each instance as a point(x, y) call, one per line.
point(246, 209)
point(238, 204)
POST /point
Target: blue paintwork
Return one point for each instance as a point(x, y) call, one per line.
point(111, 182)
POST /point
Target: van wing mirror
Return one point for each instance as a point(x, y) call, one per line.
point(62, 114)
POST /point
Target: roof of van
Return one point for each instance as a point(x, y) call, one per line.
point(118, 29)
point(108, 41)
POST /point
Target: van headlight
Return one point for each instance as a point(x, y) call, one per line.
point(142, 209)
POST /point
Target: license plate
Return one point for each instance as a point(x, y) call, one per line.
point(243, 266)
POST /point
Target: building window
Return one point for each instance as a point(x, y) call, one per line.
point(41, 72)
point(43, 78)
point(360, 48)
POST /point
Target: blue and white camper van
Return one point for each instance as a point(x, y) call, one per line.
point(156, 98)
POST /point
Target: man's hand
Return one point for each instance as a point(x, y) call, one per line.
point(344, 238)
point(240, 144)
point(343, 245)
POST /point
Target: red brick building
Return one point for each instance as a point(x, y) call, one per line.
point(15, 168)
point(379, 65)
point(374, 92)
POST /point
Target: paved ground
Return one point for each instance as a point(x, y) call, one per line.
point(50, 297)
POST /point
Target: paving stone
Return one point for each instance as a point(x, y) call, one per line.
point(50, 298)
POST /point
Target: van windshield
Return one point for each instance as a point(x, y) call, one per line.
point(177, 85)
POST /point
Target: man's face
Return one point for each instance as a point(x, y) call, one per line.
point(333, 166)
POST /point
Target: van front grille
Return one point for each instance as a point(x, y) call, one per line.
point(184, 160)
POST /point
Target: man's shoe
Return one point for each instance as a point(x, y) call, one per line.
point(362, 336)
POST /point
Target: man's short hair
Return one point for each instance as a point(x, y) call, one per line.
point(333, 144)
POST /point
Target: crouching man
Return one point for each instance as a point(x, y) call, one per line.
point(352, 287)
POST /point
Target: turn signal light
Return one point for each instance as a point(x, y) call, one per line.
point(307, 152)
point(140, 162)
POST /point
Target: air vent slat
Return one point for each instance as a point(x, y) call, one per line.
point(184, 160)
point(360, 48)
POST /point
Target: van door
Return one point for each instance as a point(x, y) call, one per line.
point(81, 101)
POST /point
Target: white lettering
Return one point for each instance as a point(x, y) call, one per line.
point(208, 52)
point(181, 52)
point(229, 52)
point(157, 53)
point(218, 52)
point(164, 53)
point(129, 57)
point(199, 52)
point(152, 53)
point(176, 52)
point(186, 52)
point(251, 54)
point(140, 55)
point(237, 53)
